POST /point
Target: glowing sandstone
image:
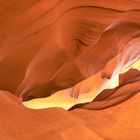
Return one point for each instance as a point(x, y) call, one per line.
point(87, 92)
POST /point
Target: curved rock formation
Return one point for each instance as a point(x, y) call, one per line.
point(82, 53)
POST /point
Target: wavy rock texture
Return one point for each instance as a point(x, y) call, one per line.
point(84, 52)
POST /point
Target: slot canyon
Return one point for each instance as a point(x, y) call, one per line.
point(69, 70)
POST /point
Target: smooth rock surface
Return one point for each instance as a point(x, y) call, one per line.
point(88, 50)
